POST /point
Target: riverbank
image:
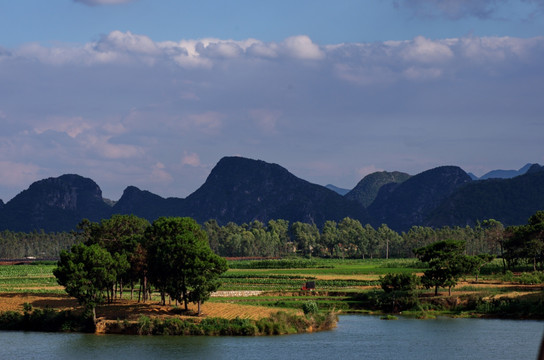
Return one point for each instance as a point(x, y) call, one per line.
point(59, 313)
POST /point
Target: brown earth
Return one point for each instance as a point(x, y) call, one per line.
point(130, 309)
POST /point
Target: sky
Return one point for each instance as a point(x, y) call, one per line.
point(153, 93)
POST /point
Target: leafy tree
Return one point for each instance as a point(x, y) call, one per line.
point(353, 236)
point(204, 276)
point(181, 263)
point(446, 263)
point(399, 282)
point(330, 237)
point(305, 236)
point(474, 264)
point(86, 272)
point(387, 238)
point(121, 235)
point(526, 242)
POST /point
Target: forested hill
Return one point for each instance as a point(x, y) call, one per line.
point(242, 190)
point(54, 204)
point(410, 202)
point(367, 189)
point(510, 201)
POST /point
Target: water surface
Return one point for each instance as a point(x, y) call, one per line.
point(357, 337)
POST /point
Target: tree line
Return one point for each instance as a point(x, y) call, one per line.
point(348, 238)
point(36, 244)
point(345, 239)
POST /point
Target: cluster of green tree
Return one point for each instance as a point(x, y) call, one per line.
point(345, 239)
point(524, 244)
point(171, 255)
point(447, 262)
point(518, 245)
point(19, 245)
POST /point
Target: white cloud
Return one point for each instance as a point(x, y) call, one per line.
point(159, 174)
point(72, 126)
point(118, 41)
point(302, 47)
point(426, 51)
point(191, 159)
point(219, 49)
point(209, 122)
point(122, 107)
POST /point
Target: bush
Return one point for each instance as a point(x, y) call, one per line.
point(310, 307)
point(145, 326)
point(399, 282)
point(41, 320)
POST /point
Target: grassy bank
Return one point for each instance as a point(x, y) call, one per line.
point(278, 323)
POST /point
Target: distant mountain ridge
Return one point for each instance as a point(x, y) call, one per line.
point(506, 174)
point(511, 201)
point(410, 202)
point(242, 190)
point(336, 189)
point(54, 204)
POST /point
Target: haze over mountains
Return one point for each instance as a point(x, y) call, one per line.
point(242, 190)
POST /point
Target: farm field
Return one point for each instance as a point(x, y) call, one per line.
point(339, 286)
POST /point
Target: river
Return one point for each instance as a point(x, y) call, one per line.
point(357, 337)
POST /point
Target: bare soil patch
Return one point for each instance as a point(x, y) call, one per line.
point(131, 310)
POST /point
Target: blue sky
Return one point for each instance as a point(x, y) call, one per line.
point(154, 93)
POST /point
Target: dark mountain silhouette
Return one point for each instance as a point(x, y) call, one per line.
point(510, 201)
point(534, 168)
point(54, 204)
point(145, 204)
point(367, 189)
point(242, 190)
point(401, 206)
point(336, 189)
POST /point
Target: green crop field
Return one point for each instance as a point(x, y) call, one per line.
point(37, 279)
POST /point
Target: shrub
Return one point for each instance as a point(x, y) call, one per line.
point(399, 282)
point(310, 307)
point(145, 325)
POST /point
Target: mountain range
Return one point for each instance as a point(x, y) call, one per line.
point(242, 190)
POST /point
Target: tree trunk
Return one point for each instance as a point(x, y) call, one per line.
point(436, 290)
point(144, 290)
point(198, 313)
